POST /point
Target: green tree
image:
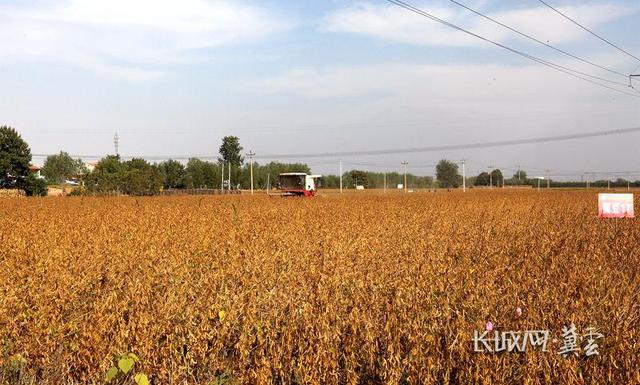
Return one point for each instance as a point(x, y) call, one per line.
point(107, 176)
point(496, 177)
point(519, 178)
point(377, 180)
point(231, 151)
point(133, 177)
point(330, 181)
point(137, 181)
point(15, 157)
point(482, 179)
point(60, 167)
point(141, 178)
point(137, 164)
point(173, 174)
point(358, 178)
point(202, 174)
point(35, 186)
point(447, 174)
point(269, 172)
point(111, 164)
point(231, 154)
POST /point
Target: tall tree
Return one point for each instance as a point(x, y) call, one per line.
point(496, 177)
point(107, 176)
point(201, 174)
point(520, 177)
point(137, 164)
point(482, 179)
point(141, 178)
point(15, 157)
point(358, 178)
point(60, 167)
point(231, 151)
point(173, 173)
point(133, 177)
point(111, 164)
point(447, 174)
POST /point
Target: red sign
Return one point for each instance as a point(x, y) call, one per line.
point(615, 206)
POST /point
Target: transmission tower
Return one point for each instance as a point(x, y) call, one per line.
point(116, 143)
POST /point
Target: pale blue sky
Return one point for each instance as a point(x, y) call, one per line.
point(315, 76)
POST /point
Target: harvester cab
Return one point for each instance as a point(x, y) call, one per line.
point(297, 184)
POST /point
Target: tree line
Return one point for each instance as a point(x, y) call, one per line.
point(369, 179)
point(139, 177)
point(113, 175)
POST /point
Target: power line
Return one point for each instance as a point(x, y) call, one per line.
point(450, 147)
point(467, 146)
point(588, 30)
point(537, 40)
point(549, 64)
point(564, 172)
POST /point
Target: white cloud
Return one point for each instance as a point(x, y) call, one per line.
point(392, 23)
point(124, 38)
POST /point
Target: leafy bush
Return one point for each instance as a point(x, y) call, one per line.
point(35, 186)
point(134, 177)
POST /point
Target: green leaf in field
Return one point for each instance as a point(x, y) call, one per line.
point(126, 364)
point(141, 379)
point(134, 356)
point(111, 373)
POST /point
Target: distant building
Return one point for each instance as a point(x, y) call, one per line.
point(90, 166)
point(34, 169)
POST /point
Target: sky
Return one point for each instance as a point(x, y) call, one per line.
point(294, 77)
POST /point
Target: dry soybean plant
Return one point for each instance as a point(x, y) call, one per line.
point(365, 288)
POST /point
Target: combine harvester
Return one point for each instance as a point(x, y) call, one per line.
point(296, 184)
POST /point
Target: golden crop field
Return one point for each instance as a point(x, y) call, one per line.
point(366, 288)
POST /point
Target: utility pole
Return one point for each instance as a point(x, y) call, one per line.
point(405, 163)
point(251, 154)
point(490, 176)
point(340, 177)
point(518, 174)
point(116, 143)
point(229, 184)
point(464, 178)
point(548, 181)
point(222, 175)
point(587, 178)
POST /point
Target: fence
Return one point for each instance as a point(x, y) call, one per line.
point(199, 191)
